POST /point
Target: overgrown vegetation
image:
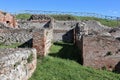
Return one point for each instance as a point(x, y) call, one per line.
point(23, 16)
point(64, 17)
point(30, 58)
point(58, 68)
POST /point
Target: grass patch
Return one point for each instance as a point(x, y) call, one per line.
point(57, 68)
point(64, 17)
point(110, 23)
point(30, 58)
point(65, 51)
point(15, 45)
point(23, 16)
point(53, 68)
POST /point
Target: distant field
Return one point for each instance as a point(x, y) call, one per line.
point(110, 23)
point(59, 65)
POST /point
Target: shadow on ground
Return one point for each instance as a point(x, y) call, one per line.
point(68, 51)
point(117, 68)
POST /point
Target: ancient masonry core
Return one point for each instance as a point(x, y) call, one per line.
point(8, 19)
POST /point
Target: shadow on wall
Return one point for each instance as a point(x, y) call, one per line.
point(117, 68)
point(47, 25)
point(68, 51)
point(27, 44)
point(68, 37)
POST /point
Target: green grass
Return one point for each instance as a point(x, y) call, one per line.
point(58, 68)
point(65, 51)
point(64, 17)
point(23, 16)
point(15, 45)
point(110, 23)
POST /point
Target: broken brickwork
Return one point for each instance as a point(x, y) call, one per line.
point(8, 19)
point(100, 52)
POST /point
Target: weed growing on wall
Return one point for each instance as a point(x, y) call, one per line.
point(30, 58)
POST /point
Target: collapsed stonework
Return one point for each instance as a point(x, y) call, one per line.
point(39, 17)
point(8, 20)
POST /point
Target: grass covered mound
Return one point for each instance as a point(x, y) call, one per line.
point(57, 67)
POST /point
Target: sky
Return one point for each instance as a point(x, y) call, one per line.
point(104, 7)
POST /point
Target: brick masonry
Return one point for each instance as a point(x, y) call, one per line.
point(8, 19)
point(100, 52)
point(42, 41)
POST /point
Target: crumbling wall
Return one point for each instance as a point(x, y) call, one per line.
point(63, 31)
point(63, 35)
point(36, 21)
point(95, 26)
point(101, 52)
point(8, 19)
point(8, 37)
point(33, 24)
point(17, 64)
point(39, 17)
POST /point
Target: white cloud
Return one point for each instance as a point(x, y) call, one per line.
point(113, 12)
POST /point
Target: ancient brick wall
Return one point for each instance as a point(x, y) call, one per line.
point(101, 52)
point(8, 19)
point(42, 40)
point(17, 64)
point(38, 42)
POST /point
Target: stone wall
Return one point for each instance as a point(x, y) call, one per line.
point(17, 64)
point(48, 39)
point(33, 24)
point(63, 35)
point(8, 37)
point(100, 52)
point(63, 31)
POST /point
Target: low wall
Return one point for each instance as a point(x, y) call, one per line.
point(63, 35)
point(33, 24)
point(101, 52)
point(17, 64)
